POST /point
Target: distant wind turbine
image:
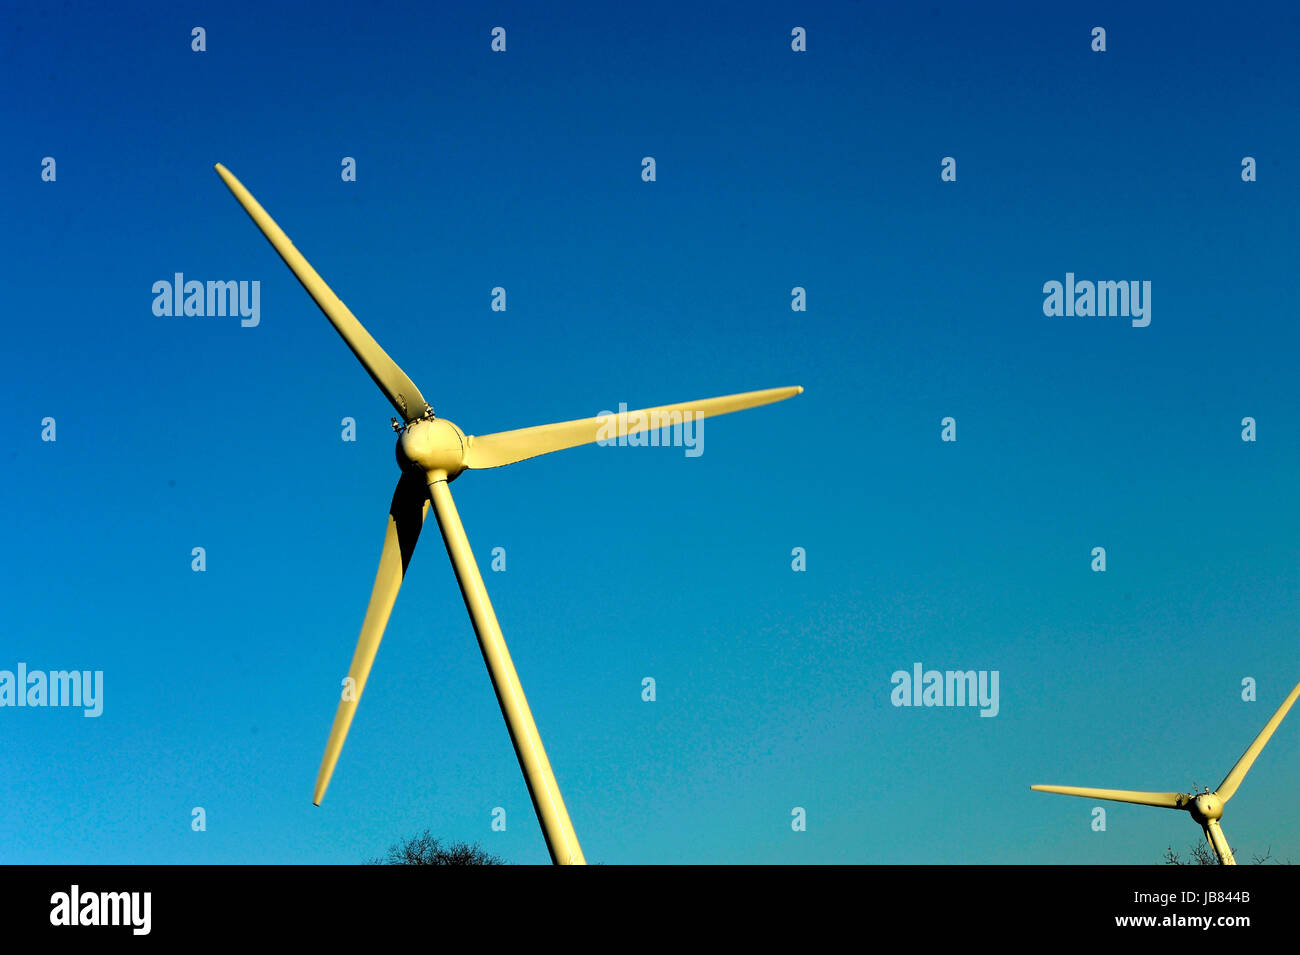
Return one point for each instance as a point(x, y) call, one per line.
point(1207, 807)
point(433, 452)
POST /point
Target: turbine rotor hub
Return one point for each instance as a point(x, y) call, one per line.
point(432, 444)
point(1205, 807)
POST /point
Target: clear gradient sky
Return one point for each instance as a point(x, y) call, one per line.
point(775, 169)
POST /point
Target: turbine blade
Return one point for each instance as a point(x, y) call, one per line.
point(1163, 800)
point(507, 447)
point(405, 518)
point(392, 381)
point(1242, 767)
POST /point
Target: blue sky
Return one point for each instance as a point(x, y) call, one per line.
point(775, 169)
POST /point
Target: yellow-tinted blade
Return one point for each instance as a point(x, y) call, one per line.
point(392, 381)
point(405, 518)
point(507, 447)
point(1163, 800)
point(1238, 772)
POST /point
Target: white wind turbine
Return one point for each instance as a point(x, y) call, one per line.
point(433, 452)
point(1206, 807)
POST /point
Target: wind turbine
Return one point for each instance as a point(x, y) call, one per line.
point(1206, 807)
point(432, 452)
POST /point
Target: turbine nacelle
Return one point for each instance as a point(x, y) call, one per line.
point(432, 444)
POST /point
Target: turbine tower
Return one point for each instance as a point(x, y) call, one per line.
point(1206, 807)
point(432, 452)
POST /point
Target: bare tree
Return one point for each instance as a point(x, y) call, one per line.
point(424, 849)
point(1201, 854)
point(1267, 859)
